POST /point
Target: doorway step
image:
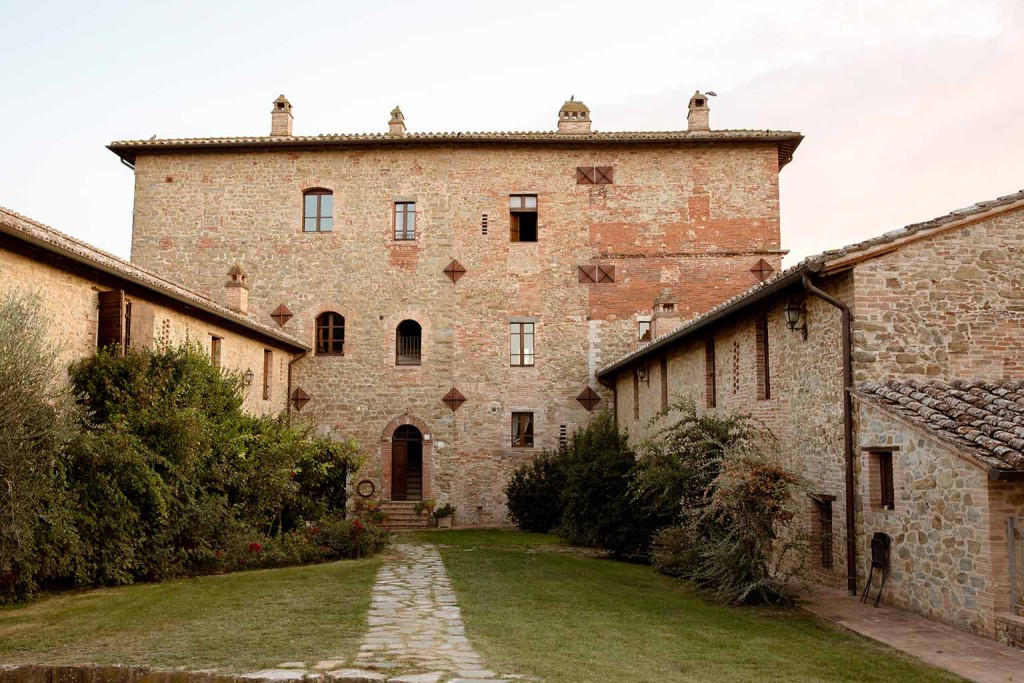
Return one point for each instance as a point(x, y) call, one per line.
point(402, 515)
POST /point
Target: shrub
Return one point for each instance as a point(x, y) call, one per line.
point(37, 419)
point(598, 508)
point(534, 493)
point(446, 510)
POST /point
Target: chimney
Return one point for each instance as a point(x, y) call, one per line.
point(697, 117)
point(396, 126)
point(236, 290)
point(666, 314)
point(574, 118)
point(281, 117)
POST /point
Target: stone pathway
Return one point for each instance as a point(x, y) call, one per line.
point(973, 657)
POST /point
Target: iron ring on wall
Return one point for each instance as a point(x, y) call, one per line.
point(366, 488)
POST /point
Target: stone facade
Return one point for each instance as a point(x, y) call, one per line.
point(942, 300)
point(68, 297)
point(690, 218)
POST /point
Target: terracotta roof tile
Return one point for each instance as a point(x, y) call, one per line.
point(45, 237)
point(985, 419)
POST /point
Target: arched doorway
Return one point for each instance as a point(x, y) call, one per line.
point(407, 464)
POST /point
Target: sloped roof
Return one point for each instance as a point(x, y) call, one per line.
point(44, 237)
point(787, 141)
point(983, 419)
point(811, 264)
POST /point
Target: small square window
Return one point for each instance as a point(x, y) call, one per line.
point(522, 430)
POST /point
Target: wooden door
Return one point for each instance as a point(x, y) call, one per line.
point(399, 469)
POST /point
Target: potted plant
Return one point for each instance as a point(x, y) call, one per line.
point(444, 515)
point(426, 506)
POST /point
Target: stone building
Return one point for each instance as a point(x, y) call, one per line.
point(91, 299)
point(891, 372)
point(460, 289)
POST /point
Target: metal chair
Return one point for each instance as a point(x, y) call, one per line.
point(880, 545)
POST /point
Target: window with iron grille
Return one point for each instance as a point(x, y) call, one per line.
point(823, 525)
point(408, 338)
point(405, 220)
point(522, 430)
point(330, 334)
point(521, 344)
point(522, 217)
point(317, 210)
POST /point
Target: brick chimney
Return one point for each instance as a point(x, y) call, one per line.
point(697, 117)
point(281, 117)
point(236, 290)
point(666, 314)
point(574, 118)
point(396, 126)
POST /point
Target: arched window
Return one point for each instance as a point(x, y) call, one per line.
point(407, 343)
point(317, 210)
point(330, 334)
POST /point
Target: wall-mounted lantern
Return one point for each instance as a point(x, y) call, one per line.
point(796, 317)
point(247, 377)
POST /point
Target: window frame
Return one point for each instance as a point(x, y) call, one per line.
point(523, 429)
point(407, 233)
point(710, 374)
point(326, 349)
point(644, 330)
point(886, 480)
point(761, 358)
point(408, 360)
point(268, 368)
point(319, 193)
point(825, 531)
point(216, 350)
point(514, 211)
point(521, 355)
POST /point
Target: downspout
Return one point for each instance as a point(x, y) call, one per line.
point(288, 398)
point(851, 522)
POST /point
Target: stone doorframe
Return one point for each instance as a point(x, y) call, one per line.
point(385, 455)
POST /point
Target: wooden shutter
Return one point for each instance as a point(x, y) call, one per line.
point(142, 321)
point(111, 319)
point(603, 175)
point(586, 274)
point(606, 273)
point(585, 175)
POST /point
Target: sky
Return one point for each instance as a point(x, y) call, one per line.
point(910, 109)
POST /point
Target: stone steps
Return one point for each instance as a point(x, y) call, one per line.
point(402, 516)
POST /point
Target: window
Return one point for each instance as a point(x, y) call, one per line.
point(884, 480)
point(522, 430)
point(636, 394)
point(764, 387)
point(710, 383)
point(317, 210)
point(215, 348)
point(407, 343)
point(521, 344)
point(663, 370)
point(330, 334)
point(111, 319)
point(645, 330)
point(823, 529)
point(523, 216)
point(593, 175)
point(268, 368)
point(405, 220)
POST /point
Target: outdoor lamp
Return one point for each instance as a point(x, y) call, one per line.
point(247, 377)
point(796, 317)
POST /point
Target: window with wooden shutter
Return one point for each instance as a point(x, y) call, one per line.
point(522, 217)
point(215, 350)
point(603, 175)
point(139, 333)
point(522, 430)
point(594, 175)
point(591, 274)
point(110, 330)
point(764, 387)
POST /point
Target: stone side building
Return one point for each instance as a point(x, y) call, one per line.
point(91, 299)
point(461, 289)
point(914, 428)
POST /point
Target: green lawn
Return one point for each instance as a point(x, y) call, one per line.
point(239, 622)
point(534, 608)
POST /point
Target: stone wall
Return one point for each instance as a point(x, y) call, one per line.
point(949, 306)
point(691, 219)
point(69, 301)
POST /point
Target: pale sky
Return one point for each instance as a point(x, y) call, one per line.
point(910, 109)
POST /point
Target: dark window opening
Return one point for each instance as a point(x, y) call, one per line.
point(522, 430)
point(521, 344)
point(886, 486)
point(317, 210)
point(668, 308)
point(523, 217)
point(764, 387)
point(710, 380)
point(268, 368)
point(636, 394)
point(408, 343)
point(330, 334)
point(824, 531)
point(663, 370)
point(405, 220)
